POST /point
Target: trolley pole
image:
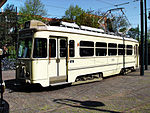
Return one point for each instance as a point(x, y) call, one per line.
point(146, 42)
point(142, 41)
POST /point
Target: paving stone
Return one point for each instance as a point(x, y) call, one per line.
point(120, 93)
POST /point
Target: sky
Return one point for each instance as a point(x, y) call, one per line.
point(57, 8)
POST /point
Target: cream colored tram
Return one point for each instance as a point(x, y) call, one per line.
point(55, 55)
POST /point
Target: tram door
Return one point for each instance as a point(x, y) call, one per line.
point(58, 48)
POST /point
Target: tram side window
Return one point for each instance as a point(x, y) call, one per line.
point(52, 48)
point(40, 48)
point(121, 49)
point(101, 49)
point(112, 49)
point(129, 50)
point(86, 48)
point(71, 48)
point(63, 51)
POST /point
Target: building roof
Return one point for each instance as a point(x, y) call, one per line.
point(2, 2)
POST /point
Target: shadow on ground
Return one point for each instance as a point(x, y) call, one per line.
point(91, 105)
point(13, 86)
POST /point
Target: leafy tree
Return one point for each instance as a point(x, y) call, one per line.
point(88, 19)
point(32, 9)
point(72, 13)
point(116, 23)
point(81, 17)
point(8, 28)
point(134, 33)
point(8, 23)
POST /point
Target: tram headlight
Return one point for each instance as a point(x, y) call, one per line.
point(17, 66)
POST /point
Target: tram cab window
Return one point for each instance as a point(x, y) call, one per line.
point(86, 48)
point(112, 49)
point(52, 48)
point(63, 51)
point(101, 49)
point(129, 50)
point(71, 48)
point(121, 49)
point(25, 46)
point(40, 48)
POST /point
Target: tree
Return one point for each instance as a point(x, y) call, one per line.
point(32, 9)
point(88, 19)
point(8, 23)
point(111, 23)
point(134, 33)
point(81, 17)
point(72, 13)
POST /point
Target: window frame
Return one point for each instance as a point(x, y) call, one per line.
point(112, 48)
point(55, 48)
point(63, 48)
point(121, 47)
point(100, 47)
point(46, 49)
point(72, 49)
point(86, 48)
point(128, 49)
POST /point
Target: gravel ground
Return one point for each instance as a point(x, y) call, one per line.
point(121, 93)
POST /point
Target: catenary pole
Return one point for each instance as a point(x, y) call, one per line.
point(146, 42)
point(142, 41)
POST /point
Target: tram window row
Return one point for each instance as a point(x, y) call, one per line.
point(87, 49)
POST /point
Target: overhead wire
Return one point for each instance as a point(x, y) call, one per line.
point(105, 2)
point(56, 6)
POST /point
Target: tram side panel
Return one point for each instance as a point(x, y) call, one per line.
point(130, 58)
point(78, 65)
point(39, 72)
point(91, 64)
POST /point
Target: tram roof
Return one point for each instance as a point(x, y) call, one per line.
point(73, 28)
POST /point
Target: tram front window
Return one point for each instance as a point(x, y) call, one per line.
point(25, 46)
point(40, 48)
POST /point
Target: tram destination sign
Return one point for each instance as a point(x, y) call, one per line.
point(27, 33)
point(27, 25)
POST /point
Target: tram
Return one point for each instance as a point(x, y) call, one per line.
point(63, 53)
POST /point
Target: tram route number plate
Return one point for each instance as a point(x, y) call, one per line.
point(71, 61)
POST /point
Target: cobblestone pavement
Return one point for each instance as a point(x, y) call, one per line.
point(129, 93)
